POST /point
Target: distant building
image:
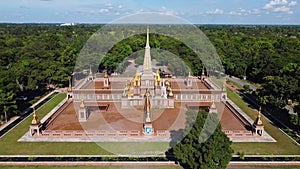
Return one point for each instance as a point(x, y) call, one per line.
point(67, 24)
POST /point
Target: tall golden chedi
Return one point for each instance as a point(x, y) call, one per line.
point(147, 81)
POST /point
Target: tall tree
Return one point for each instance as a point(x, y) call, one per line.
point(215, 152)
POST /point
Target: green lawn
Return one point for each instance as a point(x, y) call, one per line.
point(10, 146)
point(284, 145)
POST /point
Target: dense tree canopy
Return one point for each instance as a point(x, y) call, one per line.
point(34, 57)
point(215, 152)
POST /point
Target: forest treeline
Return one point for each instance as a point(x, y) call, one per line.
point(36, 57)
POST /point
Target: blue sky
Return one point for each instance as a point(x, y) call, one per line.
point(194, 11)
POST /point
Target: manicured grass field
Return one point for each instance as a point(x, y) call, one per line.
point(10, 146)
point(284, 145)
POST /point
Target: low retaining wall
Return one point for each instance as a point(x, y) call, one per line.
point(238, 133)
point(54, 110)
point(98, 133)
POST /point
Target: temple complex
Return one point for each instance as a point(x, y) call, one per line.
point(144, 105)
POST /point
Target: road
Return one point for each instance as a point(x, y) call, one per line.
point(240, 82)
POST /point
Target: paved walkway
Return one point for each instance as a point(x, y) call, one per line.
point(11, 120)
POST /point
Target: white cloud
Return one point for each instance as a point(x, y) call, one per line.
point(242, 11)
point(292, 3)
point(255, 11)
point(215, 12)
point(280, 6)
point(281, 9)
point(104, 10)
point(120, 6)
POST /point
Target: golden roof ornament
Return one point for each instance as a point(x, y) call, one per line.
point(70, 86)
point(213, 106)
point(91, 73)
point(105, 74)
point(137, 74)
point(137, 78)
point(258, 120)
point(170, 92)
point(82, 104)
point(147, 101)
point(158, 74)
point(35, 120)
point(167, 83)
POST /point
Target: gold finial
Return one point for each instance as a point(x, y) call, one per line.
point(213, 106)
point(91, 73)
point(70, 86)
point(170, 92)
point(137, 74)
point(82, 104)
point(131, 84)
point(137, 79)
point(147, 100)
point(157, 79)
point(167, 83)
point(158, 74)
point(35, 120)
point(105, 74)
point(258, 120)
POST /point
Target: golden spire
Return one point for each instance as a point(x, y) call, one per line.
point(82, 104)
point(131, 86)
point(147, 106)
point(170, 92)
point(158, 74)
point(137, 79)
point(105, 74)
point(137, 74)
point(167, 83)
point(70, 86)
point(147, 56)
point(91, 73)
point(147, 100)
point(213, 106)
point(258, 120)
point(157, 78)
point(35, 120)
